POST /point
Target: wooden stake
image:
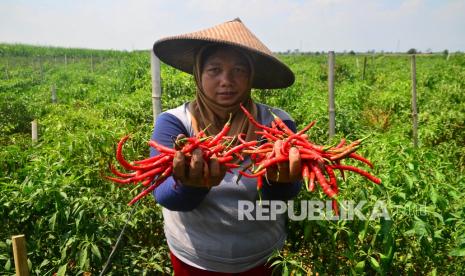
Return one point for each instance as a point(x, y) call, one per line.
point(20, 255)
point(54, 94)
point(332, 110)
point(6, 70)
point(34, 131)
point(41, 69)
point(364, 67)
point(91, 63)
point(414, 102)
point(156, 85)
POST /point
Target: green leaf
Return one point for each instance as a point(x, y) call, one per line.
point(459, 252)
point(433, 195)
point(360, 267)
point(83, 258)
point(409, 180)
point(8, 265)
point(62, 270)
point(63, 194)
point(384, 258)
point(375, 265)
point(285, 271)
point(95, 251)
point(53, 221)
point(44, 263)
point(158, 267)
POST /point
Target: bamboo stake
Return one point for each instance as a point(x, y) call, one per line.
point(6, 70)
point(20, 255)
point(34, 131)
point(54, 94)
point(332, 110)
point(414, 102)
point(156, 85)
point(91, 63)
point(364, 67)
point(41, 69)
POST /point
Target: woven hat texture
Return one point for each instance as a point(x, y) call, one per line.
point(179, 51)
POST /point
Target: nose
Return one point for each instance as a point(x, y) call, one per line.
point(227, 78)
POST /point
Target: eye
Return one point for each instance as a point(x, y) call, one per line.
point(213, 70)
point(241, 70)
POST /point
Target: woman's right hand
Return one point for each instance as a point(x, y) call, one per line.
point(197, 172)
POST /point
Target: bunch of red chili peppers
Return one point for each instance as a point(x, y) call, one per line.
point(318, 162)
point(151, 172)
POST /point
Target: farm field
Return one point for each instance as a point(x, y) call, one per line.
point(53, 191)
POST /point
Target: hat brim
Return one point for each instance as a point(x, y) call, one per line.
point(270, 73)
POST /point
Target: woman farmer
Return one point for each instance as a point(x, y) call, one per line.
point(202, 218)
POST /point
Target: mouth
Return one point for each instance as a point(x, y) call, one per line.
point(226, 93)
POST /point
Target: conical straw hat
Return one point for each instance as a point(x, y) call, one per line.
point(179, 52)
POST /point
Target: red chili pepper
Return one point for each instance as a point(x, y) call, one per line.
point(254, 175)
point(225, 159)
point(161, 161)
point(306, 174)
point(161, 148)
point(240, 147)
point(259, 183)
point(342, 143)
point(147, 182)
point(282, 125)
point(306, 128)
point(361, 158)
point(152, 187)
point(311, 154)
point(359, 171)
point(118, 180)
point(118, 173)
point(222, 133)
point(322, 181)
point(332, 179)
point(149, 160)
point(267, 135)
point(257, 124)
point(270, 162)
point(343, 154)
point(119, 155)
point(190, 147)
point(335, 207)
point(311, 185)
point(150, 173)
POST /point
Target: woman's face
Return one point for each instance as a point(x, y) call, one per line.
point(225, 77)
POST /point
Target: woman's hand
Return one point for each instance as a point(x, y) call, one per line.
point(285, 172)
point(197, 172)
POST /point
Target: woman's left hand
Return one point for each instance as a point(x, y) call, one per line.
point(285, 172)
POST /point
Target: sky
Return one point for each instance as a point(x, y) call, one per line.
point(313, 25)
